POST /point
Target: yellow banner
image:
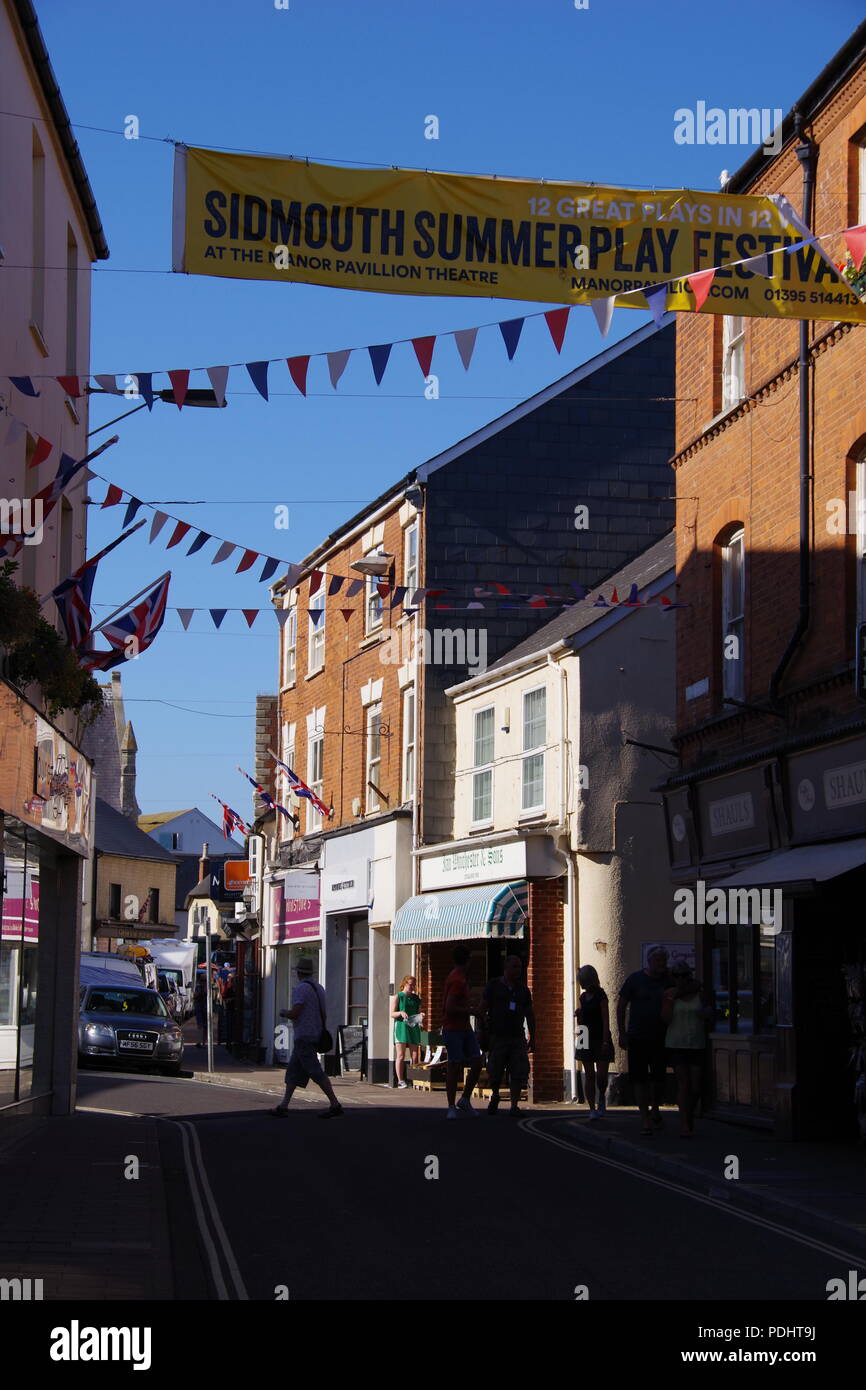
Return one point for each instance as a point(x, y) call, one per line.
point(401, 231)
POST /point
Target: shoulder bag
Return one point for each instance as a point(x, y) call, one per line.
point(325, 1042)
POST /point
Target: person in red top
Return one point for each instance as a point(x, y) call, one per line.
point(458, 1037)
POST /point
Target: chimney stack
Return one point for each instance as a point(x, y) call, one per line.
point(204, 862)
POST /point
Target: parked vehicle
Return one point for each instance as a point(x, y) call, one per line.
point(102, 961)
point(177, 959)
point(169, 994)
point(120, 1023)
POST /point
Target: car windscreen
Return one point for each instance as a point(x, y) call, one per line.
point(125, 1001)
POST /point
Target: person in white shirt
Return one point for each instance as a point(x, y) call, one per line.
point(308, 1016)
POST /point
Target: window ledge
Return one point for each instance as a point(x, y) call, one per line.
point(311, 675)
point(480, 827)
point(36, 334)
point(723, 414)
point(371, 641)
point(540, 814)
point(285, 688)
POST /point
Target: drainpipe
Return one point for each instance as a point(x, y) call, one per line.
point(568, 955)
point(806, 152)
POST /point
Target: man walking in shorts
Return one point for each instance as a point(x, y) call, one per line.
point(644, 1040)
point(458, 1037)
point(308, 1015)
point(509, 1003)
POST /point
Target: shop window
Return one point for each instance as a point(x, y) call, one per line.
point(482, 777)
point(114, 901)
point(534, 737)
point(374, 757)
point(409, 743)
point(743, 979)
point(153, 899)
point(358, 972)
point(745, 976)
point(316, 635)
point(733, 360)
point(733, 616)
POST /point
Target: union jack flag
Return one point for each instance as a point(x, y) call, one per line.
point(72, 596)
point(300, 788)
point(139, 624)
point(231, 819)
point(266, 796)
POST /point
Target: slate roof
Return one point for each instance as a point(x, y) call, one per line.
point(646, 567)
point(117, 835)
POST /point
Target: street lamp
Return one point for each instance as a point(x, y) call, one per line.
point(200, 399)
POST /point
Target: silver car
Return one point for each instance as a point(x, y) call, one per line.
point(128, 1025)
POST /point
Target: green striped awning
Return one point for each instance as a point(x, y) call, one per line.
point(496, 910)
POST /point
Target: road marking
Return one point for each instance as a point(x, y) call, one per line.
point(199, 1185)
point(531, 1128)
point(97, 1110)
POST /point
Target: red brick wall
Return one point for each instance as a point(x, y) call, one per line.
point(746, 469)
point(546, 980)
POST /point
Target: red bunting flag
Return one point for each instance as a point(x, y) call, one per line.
point(248, 559)
point(251, 614)
point(699, 284)
point(41, 452)
point(614, 598)
point(855, 240)
point(298, 372)
point(71, 386)
point(315, 580)
point(424, 352)
point(347, 613)
point(112, 497)
point(178, 534)
point(557, 322)
point(179, 385)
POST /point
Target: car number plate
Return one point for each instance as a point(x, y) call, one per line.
point(137, 1046)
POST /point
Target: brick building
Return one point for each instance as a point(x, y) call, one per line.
point(771, 791)
point(368, 649)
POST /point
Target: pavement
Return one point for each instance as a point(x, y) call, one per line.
point(72, 1217)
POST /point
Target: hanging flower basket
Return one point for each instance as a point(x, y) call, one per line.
point(855, 277)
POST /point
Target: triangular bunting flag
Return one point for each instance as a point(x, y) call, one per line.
point(465, 340)
point(283, 615)
point(337, 364)
point(112, 497)
point(268, 568)
point(25, 385)
point(758, 265)
point(399, 595)
point(41, 452)
point(355, 587)
point(223, 553)
point(347, 613)
point(511, 330)
point(656, 297)
point(109, 384)
point(336, 584)
point(250, 614)
point(259, 377)
point(316, 615)
point(178, 534)
point(179, 385)
point(131, 511)
point(383, 589)
point(185, 614)
point(614, 598)
point(557, 322)
point(536, 601)
point(855, 240)
point(298, 372)
point(217, 614)
point(71, 386)
point(145, 387)
point(248, 559)
point(633, 601)
point(315, 580)
point(603, 311)
point(218, 376)
point(424, 352)
point(379, 358)
point(699, 284)
point(601, 602)
point(201, 539)
point(157, 524)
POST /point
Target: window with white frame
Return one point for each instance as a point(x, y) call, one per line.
point(287, 755)
point(374, 605)
point(290, 647)
point(861, 179)
point(410, 559)
point(733, 360)
point(534, 739)
point(733, 616)
point(482, 763)
point(374, 756)
point(315, 775)
point(316, 635)
point(860, 503)
point(409, 743)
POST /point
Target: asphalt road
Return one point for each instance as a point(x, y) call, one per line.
point(345, 1210)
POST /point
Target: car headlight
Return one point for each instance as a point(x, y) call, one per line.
point(99, 1032)
point(173, 1033)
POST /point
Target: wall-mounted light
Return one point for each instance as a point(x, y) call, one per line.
point(506, 727)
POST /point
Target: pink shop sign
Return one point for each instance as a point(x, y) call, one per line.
point(294, 918)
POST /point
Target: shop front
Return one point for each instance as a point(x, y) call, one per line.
point(45, 840)
point(783, 946)
point(497, 899)
point(295, 932)
point(349, 945)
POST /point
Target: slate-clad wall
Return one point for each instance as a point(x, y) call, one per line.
point(505, 511)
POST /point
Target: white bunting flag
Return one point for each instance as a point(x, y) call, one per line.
point(337, 364)
point(218, 376)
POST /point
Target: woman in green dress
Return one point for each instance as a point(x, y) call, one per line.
point(406, 1009)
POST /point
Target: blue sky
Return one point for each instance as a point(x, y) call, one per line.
point(525, 89)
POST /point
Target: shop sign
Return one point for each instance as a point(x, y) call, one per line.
point(731, 813)
point(827, 791)
point(20, 917)
point(845, 786)
point(45, 781)
point(295, 910)
point(346, 885)
point(480, 864)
